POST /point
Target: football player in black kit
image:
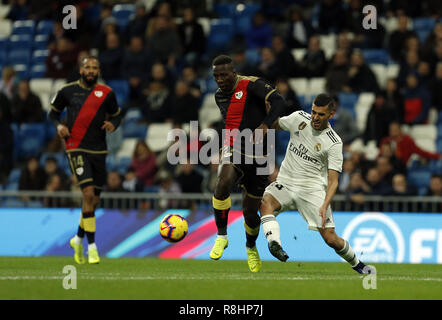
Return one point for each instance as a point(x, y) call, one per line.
point(245, 103)
point(92, 110)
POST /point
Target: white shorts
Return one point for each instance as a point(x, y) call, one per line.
point(307, 203)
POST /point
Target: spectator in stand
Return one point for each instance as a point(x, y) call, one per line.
point(185, 105)
point(144, 163)
point(331, 16)
point(348, 168)
point(136, 65)
point(160, 73)
point(260, 33)
point(404, 146)
point(114, 182)
point(8, 83)
point(377, 185)
point(344, 124)
point(434, 38)
point(189, 76)
point(42, 9)
point(190, 181)
point(435, 88)
point(82, 35)
point(300, 30)
point(6, 149)
point(57, 33)
point(131, 182)
point(394, 99)
point(269, 67)
point(5, 108)
point(193, 39)
point(108, 26)
point(417, 101)
point(378, 119)
point(337, 74)
point(54, 184)
point(51, 167)
point(156, 105)
point(243, 65)
point(435, 189)
point(410, 65)
point(26, 106)
point(19, 10)
point(111, 59)
point(343, 42)
point(287, 92)
point(163, 41)
point(386, 151)
point(168, 186)
point(61, 59)
point(314, 63)
point(284, 59)
point(209, 181)
point(398, 39)
point(401, 187)
point(356, 191)
point(385, 169)
point(360, 77)
point(137, 26)
point(33, 176)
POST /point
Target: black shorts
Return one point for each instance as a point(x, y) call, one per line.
point(89, 169)
point(251, 179)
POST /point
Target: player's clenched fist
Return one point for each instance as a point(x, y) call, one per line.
point(63, 131)
point(108, 126)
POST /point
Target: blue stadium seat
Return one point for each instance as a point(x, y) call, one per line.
point(38, 71)
point(19, 56)
point(92, 13)
point(22, 70)
point(13, 203)
point(3, 56)
point(435, 166)
point(423, 24)
point(123, 14)
point(253, 56)
point(14, 175)
point(4, 43)
point(111, 162)
point(121, 89)
point(423, 35)
point(225, 10)
point(23, 41)
point(23, 27)
point(243, 16)
point(376, 56)
point(40, 42)
point(348, 101)
point(133, 115)
point(32, 139)
point(221, 33)
point(419, 178)
point(134, 130)
point(151, 189)
point(439, 145)
point(45, 27)
point(123, 164)
point(60, 157)
point(282, 139)
point(39, 56)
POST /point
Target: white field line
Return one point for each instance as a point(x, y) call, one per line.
point(212, 277)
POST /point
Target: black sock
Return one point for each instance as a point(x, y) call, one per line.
point(80, 232)
point(90, 237)
point(221, 220)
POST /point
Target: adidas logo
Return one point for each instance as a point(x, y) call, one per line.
point(268, 233)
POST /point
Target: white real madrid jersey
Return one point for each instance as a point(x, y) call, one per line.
point(310, 153)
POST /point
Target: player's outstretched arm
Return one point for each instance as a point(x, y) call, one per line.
point(332, 186)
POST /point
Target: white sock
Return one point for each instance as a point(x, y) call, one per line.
point(271, 228)
point(91, 246)
point(78, 240)
point(348, 254)
point(224, 236)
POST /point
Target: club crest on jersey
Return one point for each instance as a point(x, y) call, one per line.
point(318, 147)
point(98, 94)
point(238, 95)
point(79, 171)
point(302, 125)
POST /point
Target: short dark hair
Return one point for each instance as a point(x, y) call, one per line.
point(323, 100)
point(222, 59)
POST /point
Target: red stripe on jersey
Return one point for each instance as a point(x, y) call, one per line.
point(236, 110)
point(86, 115)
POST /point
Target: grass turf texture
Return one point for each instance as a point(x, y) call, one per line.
point(169, 279)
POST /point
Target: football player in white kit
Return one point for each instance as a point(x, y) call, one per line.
point(308, 180)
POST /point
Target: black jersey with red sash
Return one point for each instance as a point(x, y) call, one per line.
point(244, 107)
point(86, 113)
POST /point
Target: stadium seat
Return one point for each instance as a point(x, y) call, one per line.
point(426, 144)
point(423, 131)
point(123, 164)
point(23, 27)
point(376, 56)
point(22, 70)
point(123, 14)
point(5, 28)
point(224, 10)
point(14, 175)
point(22, 41)
point(362, 108)
point(13, 203)
point(39, 56)
point(298, 54)
point(19, 56)
point(205, 23)
point(133, 115)
point(282, 139)
point(316, 86)
point(127, 147)
point(121, 89)
point(3, 56)
point(44, 27)
point(209, 112)
point(221, 33)
point(380, 73)
point(439, 146)
point(32, 139)
point(423, 35)
point(393, 70)
point(38, 71)
point(157, 136)
point(435, 167)
point(40, 42)
point(300, 85)
point(419, 177)
point(41, 85)
point(60, 157)
point(57, 85)
point(134, 130)
point(253, 56)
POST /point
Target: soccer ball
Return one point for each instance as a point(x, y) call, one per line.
point(173, 228)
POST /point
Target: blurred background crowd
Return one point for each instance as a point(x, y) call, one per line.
point(156, 55)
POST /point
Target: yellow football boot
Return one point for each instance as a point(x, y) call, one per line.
point(93, 257)
point(78, 252)
point(253, 259)
point(218, 248)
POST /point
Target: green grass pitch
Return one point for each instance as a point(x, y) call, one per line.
point(169, 279)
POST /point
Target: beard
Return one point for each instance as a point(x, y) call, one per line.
point(88, 82)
